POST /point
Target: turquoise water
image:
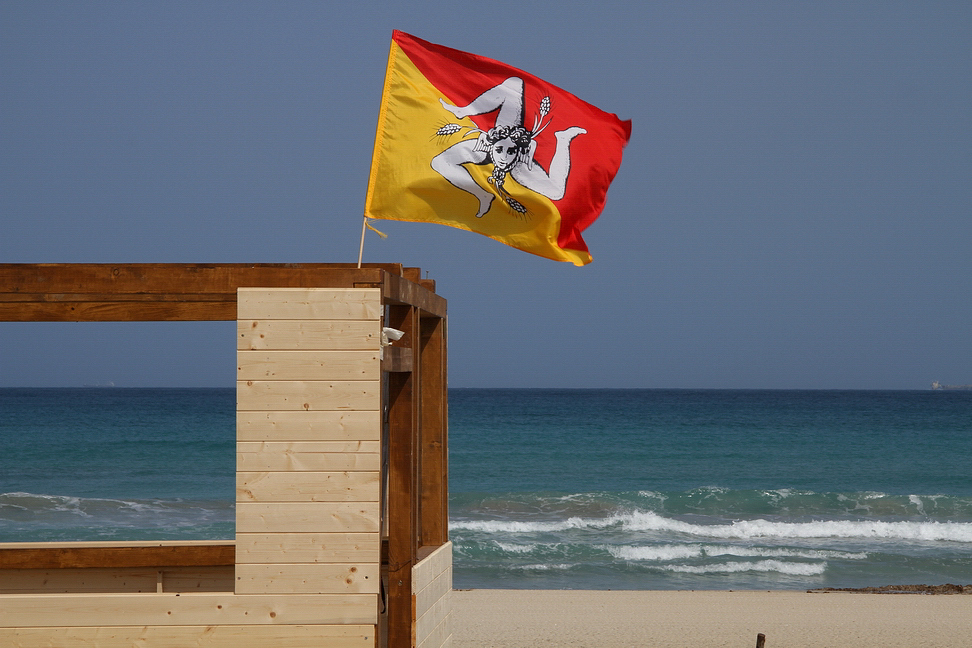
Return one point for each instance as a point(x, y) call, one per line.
point(710, 489)
point(117, 464)
point(637, 489)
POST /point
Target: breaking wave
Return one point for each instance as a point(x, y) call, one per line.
point(38, 517)
point(775, 566)
point(647, 521)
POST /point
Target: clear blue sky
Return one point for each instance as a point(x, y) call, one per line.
point(793, 210)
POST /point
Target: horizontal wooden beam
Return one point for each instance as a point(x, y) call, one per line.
point(117, 311)
point(107, 580)
point(76, 292)
point(87, 297)
point(181, 278)
point(400, 291)
point(72, 556)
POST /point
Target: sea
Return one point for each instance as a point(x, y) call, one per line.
point(558, 489)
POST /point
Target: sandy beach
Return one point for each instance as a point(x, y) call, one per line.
point(788, 619)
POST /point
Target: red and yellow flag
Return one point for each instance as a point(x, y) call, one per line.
point(470, 142)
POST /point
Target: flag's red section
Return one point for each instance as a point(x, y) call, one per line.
point(594, 157)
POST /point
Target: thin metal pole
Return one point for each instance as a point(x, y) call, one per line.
point(364, 223)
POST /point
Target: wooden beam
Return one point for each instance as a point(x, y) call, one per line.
point(181, 278)
point(76, 292)
point(106, 580)
point(92, 297)
point(116, 311)
point(56, 556)
point(398, 290)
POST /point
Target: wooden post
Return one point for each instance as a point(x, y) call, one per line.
point(760, 640)
point(403, 416)
point(434, 487)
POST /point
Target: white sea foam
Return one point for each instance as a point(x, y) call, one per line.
point(776, 566)
point(742, 529)
point(543, 567)
point(679, 552)
point(747, 529)
point(511, 526)
point(35, 503)
point(518, 526)
point(68, 512)
point(873, 495)
point(655, 552)
point(773, 552)
point(516, 548)
point(914, 499)
point(661, 497)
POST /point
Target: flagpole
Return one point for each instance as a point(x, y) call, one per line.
point(364, 224)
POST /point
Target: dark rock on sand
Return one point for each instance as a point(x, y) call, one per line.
point(902, 589)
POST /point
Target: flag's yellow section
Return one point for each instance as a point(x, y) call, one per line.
point(404, 186)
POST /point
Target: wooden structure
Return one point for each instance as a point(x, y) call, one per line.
point(341, 532)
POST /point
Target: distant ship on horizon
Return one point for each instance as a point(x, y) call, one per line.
point(938, 385)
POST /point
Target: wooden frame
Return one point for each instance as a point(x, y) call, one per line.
point(250, 590)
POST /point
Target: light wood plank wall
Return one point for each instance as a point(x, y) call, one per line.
point(432, 589)
point(214, 620)
point(308, 441)
point(308, 524)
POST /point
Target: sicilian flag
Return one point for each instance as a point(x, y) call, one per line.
point(473, 143)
